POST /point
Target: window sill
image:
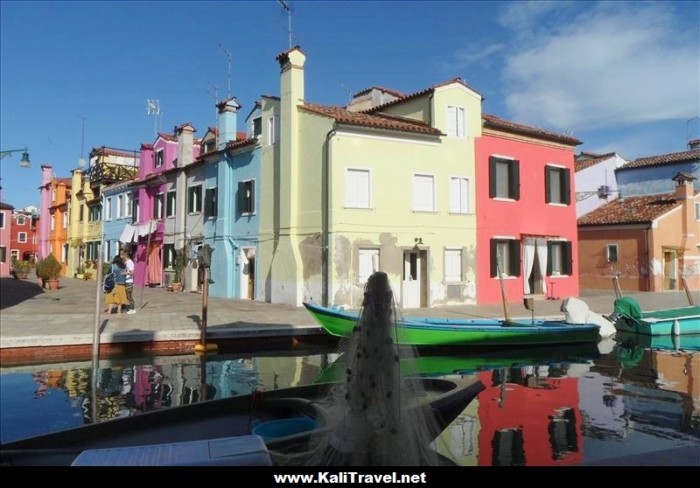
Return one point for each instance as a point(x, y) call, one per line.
point(557, 204)
point(503, 199)
point(505, 277)
point(555, 277)
point(350, 207)
point(414, 210)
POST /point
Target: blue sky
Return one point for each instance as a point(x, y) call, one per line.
point(619, 76)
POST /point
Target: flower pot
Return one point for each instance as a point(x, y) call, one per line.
point(176, 286)
point(52, 284)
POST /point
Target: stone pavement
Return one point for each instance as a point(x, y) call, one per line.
point(31, 317)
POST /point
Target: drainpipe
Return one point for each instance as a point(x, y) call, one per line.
point(325, 205)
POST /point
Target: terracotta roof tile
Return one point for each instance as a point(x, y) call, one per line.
point(631, 210)
point(240, 143)
point(661, 159)
point(364, 119)
point(390, 91)
point(587, 163)
point(167, 137)
point(417, 94)
point(498, 123)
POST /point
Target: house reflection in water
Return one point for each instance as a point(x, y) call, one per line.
point(526, 416)
point(131, 389)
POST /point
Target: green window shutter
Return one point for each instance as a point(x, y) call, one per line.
point(492, 178)
point(493, 257)
point(547, 184)
point(514, 179)
point(241, 198)
point(514, 250)
point(567, 258)
point(549, 259)
point(566, 186)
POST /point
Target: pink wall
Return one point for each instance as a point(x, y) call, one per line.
point(5, 239)
point(529, 216)
point(45, 215)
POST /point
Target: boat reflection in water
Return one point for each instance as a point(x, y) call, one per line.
point(541, 408)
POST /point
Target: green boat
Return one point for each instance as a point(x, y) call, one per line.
point(629, 317)
point(474, 362)
point(435, 331)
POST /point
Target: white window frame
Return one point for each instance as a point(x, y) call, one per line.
point(459, 195)
point(697, 212)
point(20, 219)
point(355, 186)
point(120, 206)
point(53, 222)
point(108, 208)
point(170, 195)
point(159, 206)
point(65, 219)
point(14, 254)
point(368, 263)
point(194, 199)
point(53, 195)
point(159, 158)
point(453, 265)
point(273, 128)
point(127, 204)
point(423, 200)
point(455, 121)
point(22, 237)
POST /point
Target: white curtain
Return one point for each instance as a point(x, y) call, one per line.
point(542, 258)
point(529, 262)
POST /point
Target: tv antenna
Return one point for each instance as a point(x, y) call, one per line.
point(227, 53)
point(287, 8)
point(153, 108)
point(214, 93)
point(81, 161)
point(350, 92)
point(689, 130)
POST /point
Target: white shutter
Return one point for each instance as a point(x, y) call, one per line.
point(423, 193)
point(452, 121)
point(459, 114)
point(453, 265)
point(357, 188)
point(368, 262)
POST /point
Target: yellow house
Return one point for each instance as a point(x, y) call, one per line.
point(357, 189)
point(107, 166)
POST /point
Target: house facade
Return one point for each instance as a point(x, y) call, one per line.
point(58, 220)
point(23, 238)
point(596, 184)
point(649, 241)
point(526, 213)
point(5, 231)
point(654, 174)
point(331, 222)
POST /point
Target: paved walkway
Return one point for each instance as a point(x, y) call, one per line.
point(31, 317)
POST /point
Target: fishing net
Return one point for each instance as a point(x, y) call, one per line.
point(376, 415)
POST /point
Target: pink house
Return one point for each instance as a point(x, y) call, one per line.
point(526, 212)
point(5, 231)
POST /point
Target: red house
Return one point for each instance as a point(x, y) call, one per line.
point(526, 212)
point(24, 243)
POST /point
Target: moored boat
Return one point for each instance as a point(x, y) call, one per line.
point(629, 317)
point(441, 331)
point(217, 432)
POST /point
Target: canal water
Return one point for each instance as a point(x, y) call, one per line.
point(540, 406)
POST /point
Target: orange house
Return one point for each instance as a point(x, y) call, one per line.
point(58, 213)
point(651, 242)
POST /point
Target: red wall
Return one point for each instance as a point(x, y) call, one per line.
point(529, 216)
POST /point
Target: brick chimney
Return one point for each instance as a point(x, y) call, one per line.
point(686, 195)
point(694, 144)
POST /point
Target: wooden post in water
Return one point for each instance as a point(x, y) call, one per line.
point(205, 262)
point(688, 295)
point(616, 286)
point(506, 317)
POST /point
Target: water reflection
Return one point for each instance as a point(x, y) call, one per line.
point(539, 408)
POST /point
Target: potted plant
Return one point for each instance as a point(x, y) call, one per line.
point(21, 268)
point(179, 264)
point(49, 269)
point(81, 272)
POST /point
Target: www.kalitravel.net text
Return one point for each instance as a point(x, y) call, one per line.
point(350, 477)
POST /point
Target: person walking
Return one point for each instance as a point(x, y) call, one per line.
point(129, 283)
point(117, 297)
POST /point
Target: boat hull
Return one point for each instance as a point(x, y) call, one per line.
point(421, 331)
point(677, 321)
point(220, 419)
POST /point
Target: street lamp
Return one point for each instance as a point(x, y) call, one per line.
point(24, 162)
